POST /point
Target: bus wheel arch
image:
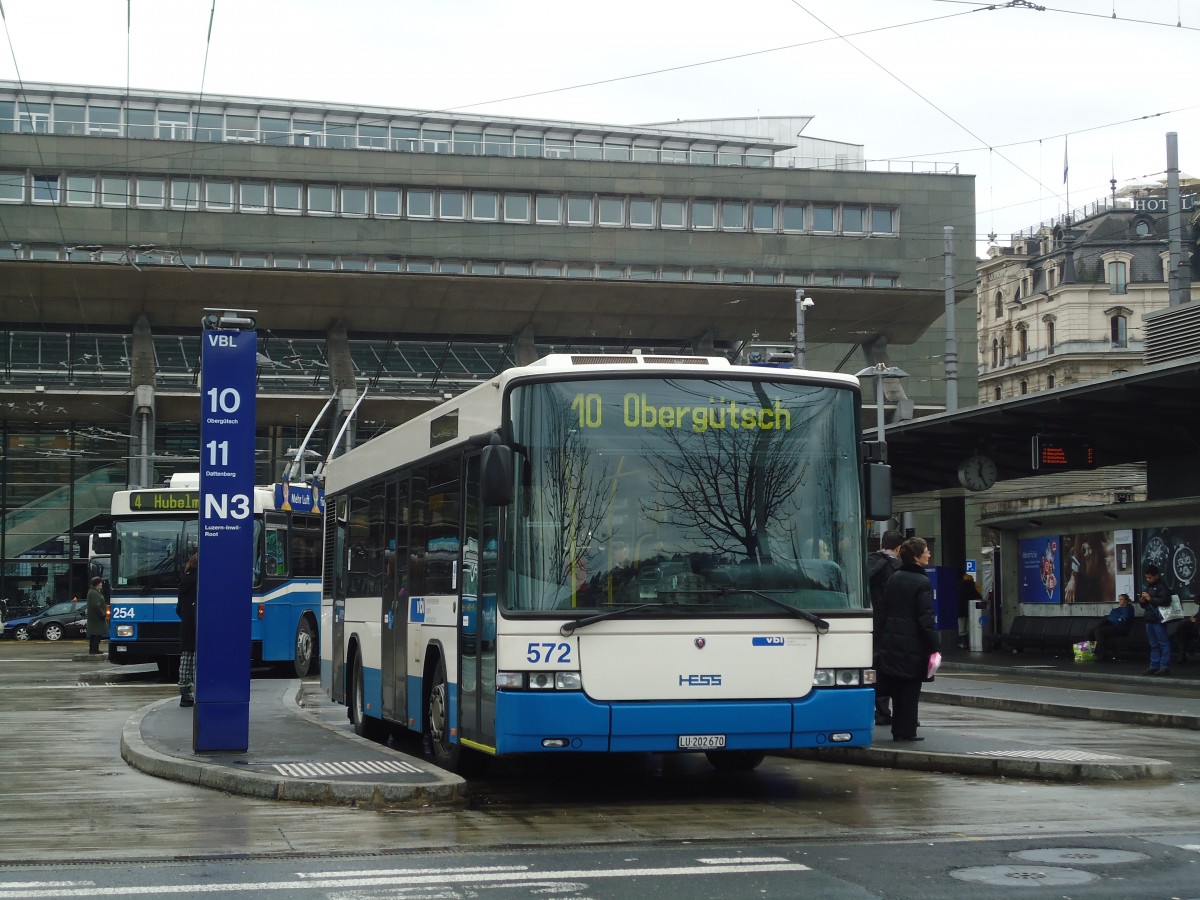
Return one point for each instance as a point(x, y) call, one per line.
point(365, 726)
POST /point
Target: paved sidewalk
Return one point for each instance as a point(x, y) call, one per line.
point(303, 749)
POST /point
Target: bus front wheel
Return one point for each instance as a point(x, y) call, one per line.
point(437, 722)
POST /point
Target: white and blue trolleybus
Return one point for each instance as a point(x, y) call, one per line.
point(609, 554)
point(155, 530)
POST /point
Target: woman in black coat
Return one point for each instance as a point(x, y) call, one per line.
point(185, 608)
point(908, 636)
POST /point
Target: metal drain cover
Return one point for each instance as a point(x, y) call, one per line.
point(1024, 875)
point(1080, 856)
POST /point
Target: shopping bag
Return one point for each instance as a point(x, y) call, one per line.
point(1085, 651)
point(1174, 611)
point(935, 660)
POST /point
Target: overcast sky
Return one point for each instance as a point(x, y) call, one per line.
point(928, 80)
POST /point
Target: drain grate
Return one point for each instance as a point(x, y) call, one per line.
point(1056, 755)
point(371, 767)
point(1024, 876)
point(1078, 855)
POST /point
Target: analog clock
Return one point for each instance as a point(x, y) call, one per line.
point(977, 473)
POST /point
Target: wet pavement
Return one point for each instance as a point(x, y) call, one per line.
point(302, 747)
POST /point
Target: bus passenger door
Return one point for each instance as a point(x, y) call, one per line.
point(477, 602)
point(334, 577)
point(394, 644)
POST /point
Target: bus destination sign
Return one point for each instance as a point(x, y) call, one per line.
point(1060, 454)
point(166, 501)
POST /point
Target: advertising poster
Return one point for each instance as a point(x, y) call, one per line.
point(1173, 550)
point(1040, 564)
point(1089, 568)
point(1123, 540)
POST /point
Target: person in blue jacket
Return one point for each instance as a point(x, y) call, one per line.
point(1154, 599)
point(1115, 623)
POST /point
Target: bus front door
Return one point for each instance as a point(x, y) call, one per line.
point(477, 623)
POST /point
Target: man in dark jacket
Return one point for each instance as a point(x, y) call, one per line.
point(880, 566)
point(908, 637)
point(1154, 599)
point(185, 608)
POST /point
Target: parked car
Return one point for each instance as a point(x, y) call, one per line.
point(17, 628)
point(59, 621)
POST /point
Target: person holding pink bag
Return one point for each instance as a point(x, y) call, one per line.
point(908, 639)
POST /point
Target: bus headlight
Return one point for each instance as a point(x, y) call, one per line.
point(568, 681)
point(539, 681)
point(510, 681)
point(124, 631)
point(843, 677)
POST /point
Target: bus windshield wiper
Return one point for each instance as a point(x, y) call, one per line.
point(822, 625)
point(569, 627)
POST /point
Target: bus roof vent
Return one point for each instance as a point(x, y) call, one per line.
point(682, 360)
point(603, 360)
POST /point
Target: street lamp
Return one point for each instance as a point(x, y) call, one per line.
point(803, 302)
point(879, 371)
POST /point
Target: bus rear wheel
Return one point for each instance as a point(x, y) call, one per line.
point(306, 648)
point(735, 760)
point(364, 726)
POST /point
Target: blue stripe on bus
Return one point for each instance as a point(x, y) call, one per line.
point(524, 720)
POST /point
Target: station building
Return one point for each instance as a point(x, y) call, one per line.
point(411, 254)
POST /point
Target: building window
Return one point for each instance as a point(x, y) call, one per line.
point(548, 209)
point(854, 219)
point(1023, 343)
point(12, 187)
point(998, 309)
point(81, 190)
point(883, 221)
point(704, 214)
point(1003, 351)
point(762, 217)
point(1049, 338)
point(420, 204)
point(611, 211)
point(1117, 276)
point(354, 201)
point(673, 214)
point(485, 206)
point(252, 196)
point(151, 193)
point(995, 353)
point(452, 204)
point(1024, 387)
point(387, 202)
point(996, 392)
point(1119, 332)
point(516, 207)
point(733, 216)
point(793, 217)
point(579, 210)
point(218, 195)
point(321, 199)
point(185, 193)
point(641, 213)
point(287, 199)
point(114, 191)
point(1049, 381)
point(823, 218)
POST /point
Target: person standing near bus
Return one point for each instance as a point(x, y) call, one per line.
point(185, 608)
point(1154, 599)
point(880, 566)
point(909, 637)
point(95, 615)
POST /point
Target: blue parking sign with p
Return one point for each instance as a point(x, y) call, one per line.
point(221, 717)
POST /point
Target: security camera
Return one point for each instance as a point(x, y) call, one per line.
point(807, 303)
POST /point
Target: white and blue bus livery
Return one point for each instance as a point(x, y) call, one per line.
point(154, 531)
point(608, 554)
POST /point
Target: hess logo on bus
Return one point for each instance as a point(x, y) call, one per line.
point(699, 680)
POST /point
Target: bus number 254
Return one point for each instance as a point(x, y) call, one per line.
point(548, 652)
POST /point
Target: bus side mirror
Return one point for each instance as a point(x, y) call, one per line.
point(877, 490)
point(496, 474)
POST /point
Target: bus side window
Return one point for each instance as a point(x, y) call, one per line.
point(275, 563)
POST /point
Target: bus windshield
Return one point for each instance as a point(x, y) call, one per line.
point(150, 553)
point(731, 494)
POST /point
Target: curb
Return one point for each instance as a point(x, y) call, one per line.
point(1124, 769)
point(451, 790)
point(1066, 711)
